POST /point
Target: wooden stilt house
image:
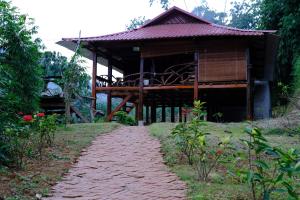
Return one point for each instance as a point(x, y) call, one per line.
point(178, 57)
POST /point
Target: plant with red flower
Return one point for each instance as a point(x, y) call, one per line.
point(27, 118)
point(219, 152)
point(40, 114)
point(20, 113)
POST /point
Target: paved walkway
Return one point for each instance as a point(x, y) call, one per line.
point(125, 164)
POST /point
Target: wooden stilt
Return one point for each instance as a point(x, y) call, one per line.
point(180, 113)
point(163, 113)
point(153, 113)
point(147, 114)
point(94, 75)
point(172, 113)
point(196, 58)
point(249, 98)
point(141, 97)
point(109, 73)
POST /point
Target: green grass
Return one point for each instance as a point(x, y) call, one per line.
point(39, 176)
point(222, 186)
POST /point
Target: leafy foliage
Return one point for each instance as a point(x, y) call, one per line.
point(136, 22)
point(124, 118)
point(53, 63)
point(191, 140)
point(284, 16)
point(271, 169)
point(245, 14)
point(164, 3)
point(20, 72)
point(209, 14)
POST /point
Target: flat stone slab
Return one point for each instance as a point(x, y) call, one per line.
point(124, 164)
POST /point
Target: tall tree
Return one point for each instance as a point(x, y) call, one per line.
point(245, 14)
point(136, 22)
point(20, 72)
point(205, 12)
point(164, 3)
point(284, 16)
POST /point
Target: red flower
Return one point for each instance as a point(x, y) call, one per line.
point(40, 114)
point(20, 113)
point(27, 118)
point(219, 152)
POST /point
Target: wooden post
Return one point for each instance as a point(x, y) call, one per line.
point(141, 99)
point(180, 113)
point(153, 113)
point(152, 70)
point(147, 114)
point(109, 78)
point(163, 113)
point(172, 113)
point(196, 59)
point(249, 97)
point(94, 75)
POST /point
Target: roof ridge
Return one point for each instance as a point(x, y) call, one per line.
point(239, 29)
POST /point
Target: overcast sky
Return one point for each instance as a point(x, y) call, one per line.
point(65, 18)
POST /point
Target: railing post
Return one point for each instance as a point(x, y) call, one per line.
point(197, 62)
point(141, 97)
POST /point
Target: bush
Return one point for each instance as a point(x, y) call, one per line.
point(270, 169)
point(26, 138)
point(124, 118)
point(192, 142)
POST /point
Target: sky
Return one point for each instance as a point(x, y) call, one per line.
point(57, 19)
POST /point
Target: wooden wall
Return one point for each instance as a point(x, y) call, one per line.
point(226, 63)
point(220, 60)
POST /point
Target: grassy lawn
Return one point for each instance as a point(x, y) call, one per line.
point(38, 176)
point(221, 185)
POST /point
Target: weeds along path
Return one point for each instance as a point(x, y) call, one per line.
point(124, 164)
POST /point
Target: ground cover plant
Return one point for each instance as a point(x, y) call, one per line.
point(38, 175)
point(274, 161)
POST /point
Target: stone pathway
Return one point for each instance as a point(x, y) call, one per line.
point(125, 164)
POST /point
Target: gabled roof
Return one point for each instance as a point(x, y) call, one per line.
point(174, 23)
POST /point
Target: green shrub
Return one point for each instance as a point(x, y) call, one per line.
point(191, 140)
point(270, 169)
point(124, 118)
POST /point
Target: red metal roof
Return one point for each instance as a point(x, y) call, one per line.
point(174, 23)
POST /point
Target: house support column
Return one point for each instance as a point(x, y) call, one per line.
point(109, 78)
point(94, 75)
point(147, 114)
point(141, 97)
point(249, 98)
point(172, 113)
point(163, 113)
point(180, 113)
point(153, 113)
point(196, 59)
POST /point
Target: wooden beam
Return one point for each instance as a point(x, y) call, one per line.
point(109, 74)
point(174, 87)
point(94, 75)
point(141, 99)
point(196, 81)
point(110, 116)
